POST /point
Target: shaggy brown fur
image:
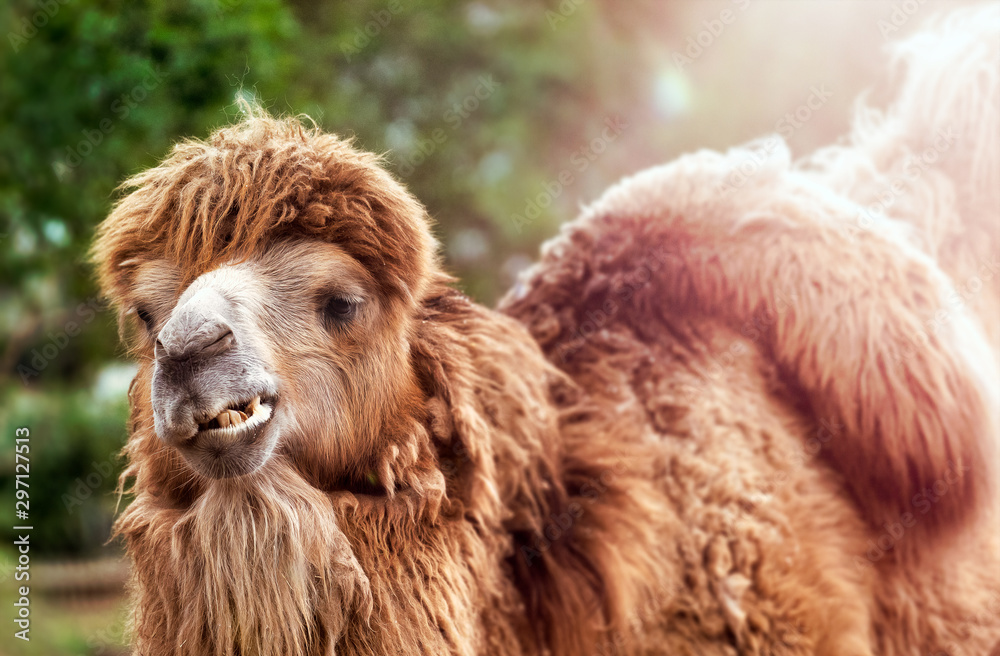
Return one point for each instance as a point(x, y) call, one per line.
point(712, 420)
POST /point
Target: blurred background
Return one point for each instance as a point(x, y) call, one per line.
point(502, 117)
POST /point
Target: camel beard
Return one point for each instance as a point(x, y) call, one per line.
point(258, 567)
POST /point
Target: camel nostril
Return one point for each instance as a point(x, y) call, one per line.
point(209, 338)
point(198, 329)
point(225, 341)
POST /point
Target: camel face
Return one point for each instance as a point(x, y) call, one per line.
point(273, 310)
point(239, 355)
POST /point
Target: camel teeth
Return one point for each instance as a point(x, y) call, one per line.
point(231, 417)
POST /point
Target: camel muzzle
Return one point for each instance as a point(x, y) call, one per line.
point(213, 399)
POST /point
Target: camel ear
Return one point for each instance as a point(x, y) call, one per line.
point(445, 375)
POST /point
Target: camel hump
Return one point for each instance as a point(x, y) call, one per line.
point(862, 322)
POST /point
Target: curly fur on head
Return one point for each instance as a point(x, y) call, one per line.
point(701, 424)
point(255, 183)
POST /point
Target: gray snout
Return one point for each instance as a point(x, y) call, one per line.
point(213, 396)
point(195, 360)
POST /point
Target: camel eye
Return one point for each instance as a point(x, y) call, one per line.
point(145, 317)
point(338, 310)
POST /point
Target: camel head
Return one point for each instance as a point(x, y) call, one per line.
point(270, 278)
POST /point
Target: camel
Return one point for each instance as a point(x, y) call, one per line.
point(721, 415)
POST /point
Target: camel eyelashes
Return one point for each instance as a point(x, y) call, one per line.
point(338, 310)
point(145, 317)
